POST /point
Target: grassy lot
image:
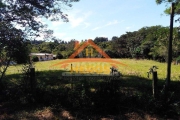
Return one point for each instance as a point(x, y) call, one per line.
point(134, 67)
point(56, 98)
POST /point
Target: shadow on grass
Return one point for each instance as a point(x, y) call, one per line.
point(95, 98)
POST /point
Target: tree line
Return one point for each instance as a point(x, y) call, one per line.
point(146, 43)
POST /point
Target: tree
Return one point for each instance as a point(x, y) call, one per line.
point(51, 46)
point(100, 39)
point(21, 55)
point(13, 45)
point(120, 46)
point(59, 55)
point(25, 14)
point(114, 38)
point(168, 8)
point(150, 36)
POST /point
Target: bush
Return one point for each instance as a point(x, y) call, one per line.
point(35, 59)
point(59, 56)
point(178, 58)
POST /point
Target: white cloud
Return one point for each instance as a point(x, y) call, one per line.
point(86, 24)
point(42, 20)
point(96, 28)
point(75, 22)
point(108, 24)
point(112, 23)
point(87, 14)
point(56, 23)
point(78, 18)
point(127, 28)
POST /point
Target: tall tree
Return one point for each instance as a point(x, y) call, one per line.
point(120, 46)
point(12, 45)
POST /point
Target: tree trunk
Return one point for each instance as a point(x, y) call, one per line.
point(4, 71)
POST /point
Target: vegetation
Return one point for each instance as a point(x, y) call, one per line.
point(19, 23)
point(127, 97)
point(46, 94)
point(147, 43)
point(168, 8)
point(134, 67)
point(13, 46)
point(35, 59)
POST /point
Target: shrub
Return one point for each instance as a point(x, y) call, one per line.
point(59, 56)
point(178, 58)
point(35, 59)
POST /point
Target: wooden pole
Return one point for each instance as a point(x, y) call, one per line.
point(170, 49)
point(71, 76)
point(71, 69)
point(32, 79)
point(154, 84)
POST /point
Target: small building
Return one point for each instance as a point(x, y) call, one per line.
point(42, 56)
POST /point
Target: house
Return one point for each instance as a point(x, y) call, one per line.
point(42, 56)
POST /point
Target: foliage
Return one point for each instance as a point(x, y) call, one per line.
point(35, 59)
point(25, 15)
point(59, 56)
point(13, 46)
point(151, 70)
point(93, 98)
point(168, 7)
point(146, 43)
point(100, 39)
point(26, 82)
point(178, 58)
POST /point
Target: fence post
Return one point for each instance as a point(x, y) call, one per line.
point(154, 84)
point(32, 79)
point(72, 86)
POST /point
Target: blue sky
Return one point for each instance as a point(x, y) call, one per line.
point(107, 18)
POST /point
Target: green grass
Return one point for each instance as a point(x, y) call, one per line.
point(39, 66)
point(134, 67)
point(141, 67)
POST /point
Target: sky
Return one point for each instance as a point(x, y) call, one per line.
point(89, 19)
